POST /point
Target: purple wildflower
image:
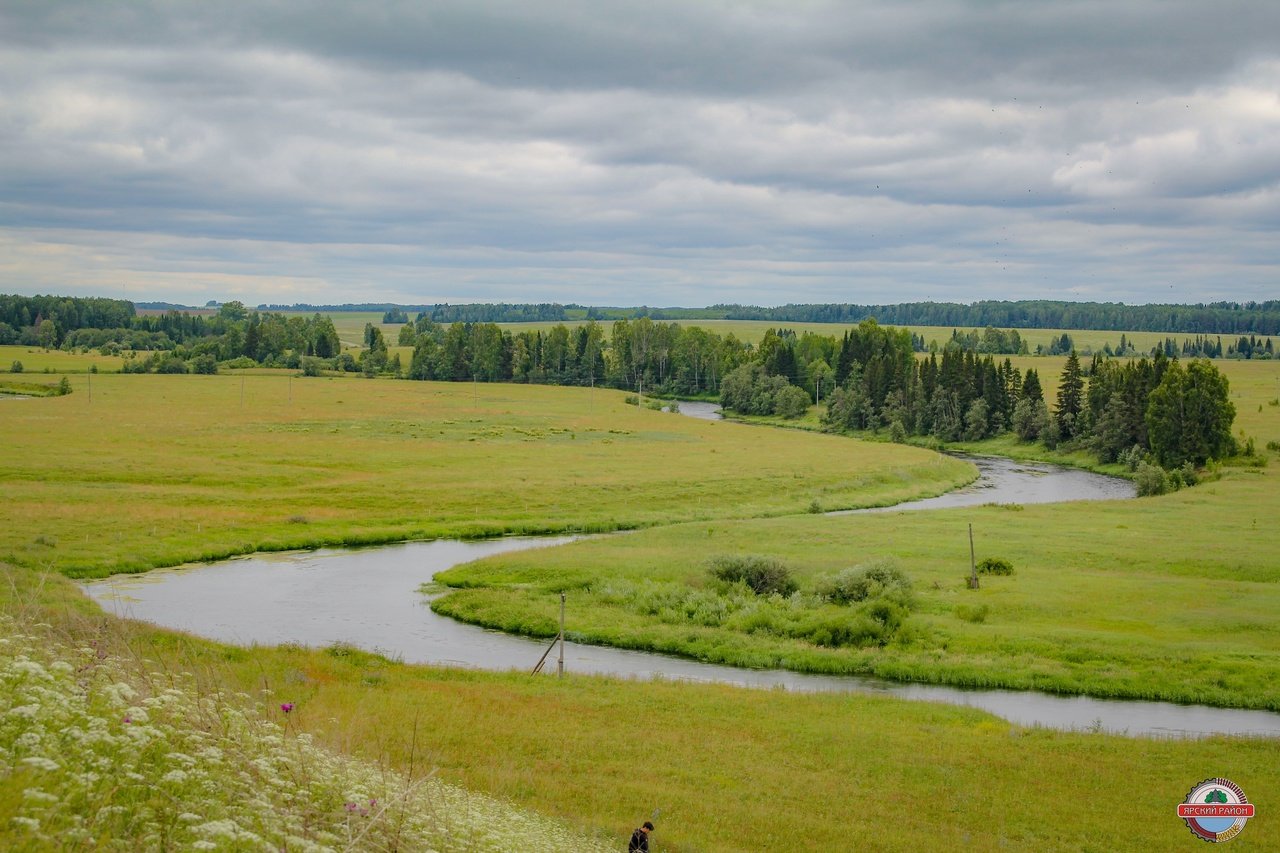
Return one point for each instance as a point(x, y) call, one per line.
point(286, 706)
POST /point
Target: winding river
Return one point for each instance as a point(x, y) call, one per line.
point(369, 598)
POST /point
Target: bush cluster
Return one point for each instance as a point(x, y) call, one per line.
point(995, 566)
point(764, 575)
point(878, 579)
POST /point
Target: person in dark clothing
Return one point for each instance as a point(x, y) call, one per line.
point(640, 839)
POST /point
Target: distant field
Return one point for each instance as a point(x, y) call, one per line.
point(36, 360)
point(157, 470)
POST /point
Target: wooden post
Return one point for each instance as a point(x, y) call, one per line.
point(560, 668)
point(973, 566)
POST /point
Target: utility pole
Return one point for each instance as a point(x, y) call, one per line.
point(560, 667)
point(973, 566)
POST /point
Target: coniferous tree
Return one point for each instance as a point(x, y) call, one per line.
point(1070, 398)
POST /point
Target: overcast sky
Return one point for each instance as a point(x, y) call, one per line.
point(660, 153)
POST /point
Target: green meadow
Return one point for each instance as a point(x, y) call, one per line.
point(140, 471)
point(1167, 597)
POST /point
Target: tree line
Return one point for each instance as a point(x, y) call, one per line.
point(1261, 318)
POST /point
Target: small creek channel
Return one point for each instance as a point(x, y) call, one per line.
point(369, 598)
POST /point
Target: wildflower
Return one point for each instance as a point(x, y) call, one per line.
point(286, 706)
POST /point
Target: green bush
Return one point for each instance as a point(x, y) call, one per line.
point(995, 566)
point(16, 367)
point(171, 364)
point(880, 578)
point(1151, 480)
point(312, 366)
point(764, 575)
point(791, 402)
point(204, 364)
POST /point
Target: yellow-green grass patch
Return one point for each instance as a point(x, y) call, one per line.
point(157, 470)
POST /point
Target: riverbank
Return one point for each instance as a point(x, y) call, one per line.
point(362, 598)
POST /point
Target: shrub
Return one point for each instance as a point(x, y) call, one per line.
point(1150, 480)
point(764, 575)
point(16, 367)
point(204, 364)
point(838, 629)
point(64, 387)
point(881, 578)
point(240, 363)
point(975, 614)
point(171, 364)
point(1132, 457)
point(791, 402)
point(995, 566)
point(311, 366)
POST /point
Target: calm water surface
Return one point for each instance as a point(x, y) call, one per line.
point(370, 598)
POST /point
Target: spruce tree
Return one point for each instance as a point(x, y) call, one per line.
point(1070, 398)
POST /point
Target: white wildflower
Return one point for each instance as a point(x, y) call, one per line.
point(174, 777)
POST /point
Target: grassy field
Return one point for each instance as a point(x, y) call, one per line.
point(36, 360)
point(155, 470)
point(731, 769)
point(1105, 595)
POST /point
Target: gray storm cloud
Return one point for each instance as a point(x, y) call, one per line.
point(626, 153)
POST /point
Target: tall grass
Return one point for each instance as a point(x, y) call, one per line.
point(104, 750)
